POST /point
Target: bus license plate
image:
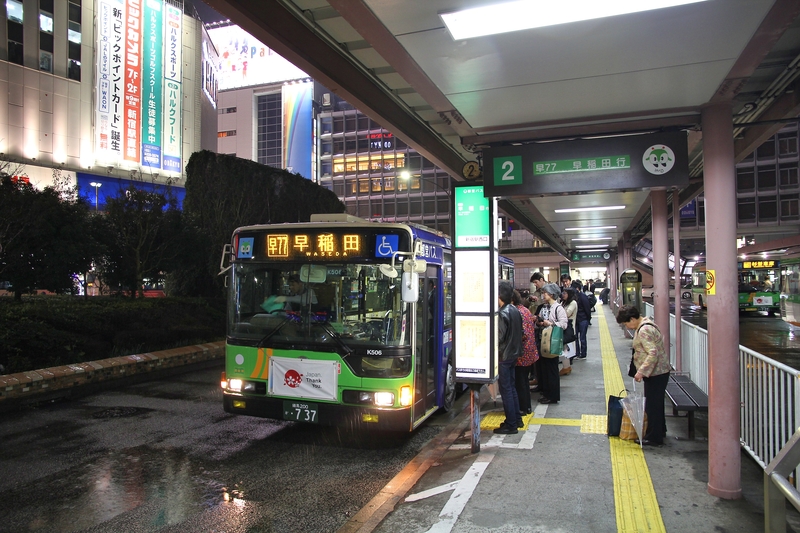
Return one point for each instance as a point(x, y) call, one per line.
point(300, 412)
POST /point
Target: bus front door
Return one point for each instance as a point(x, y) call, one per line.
point(425, 349)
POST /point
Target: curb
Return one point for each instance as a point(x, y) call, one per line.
point(79, 379)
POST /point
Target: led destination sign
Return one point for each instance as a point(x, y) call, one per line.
point(320, 244)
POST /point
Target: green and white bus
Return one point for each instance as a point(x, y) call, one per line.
point(363, 339)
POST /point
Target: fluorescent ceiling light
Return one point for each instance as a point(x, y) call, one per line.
point(592, 247)
point(528, 14)
point(592, 239)
point(590, 228)
point(589, 209)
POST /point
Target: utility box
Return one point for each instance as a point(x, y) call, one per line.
point(630, 286)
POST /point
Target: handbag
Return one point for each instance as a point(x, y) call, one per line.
point(632, 367)
point(569, 333)
point(614, 419)
point(627, 431)
point(552, 342)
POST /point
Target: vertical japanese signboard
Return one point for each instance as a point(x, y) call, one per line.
point(475, 285)
point(138, 93)
point(172, 96)
point(152, 93)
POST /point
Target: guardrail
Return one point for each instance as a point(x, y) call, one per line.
point(769, 391)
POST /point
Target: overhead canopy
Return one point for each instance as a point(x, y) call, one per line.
point(642, 72)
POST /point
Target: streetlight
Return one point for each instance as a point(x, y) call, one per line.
point(96, 186)
point(405, 174)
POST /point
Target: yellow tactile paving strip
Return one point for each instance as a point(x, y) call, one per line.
point(634, 496)
point(588, 423)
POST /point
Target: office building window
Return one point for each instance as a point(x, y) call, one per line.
point(746, 210)
point(74, 41)
point(767, 150)
point(790, 207)
point(768, 209)
point(46, 35)
point(766, 178)
point(269, 134)
point(229, 133)
point(789, 178)
point(787, 144)
point(14, 16)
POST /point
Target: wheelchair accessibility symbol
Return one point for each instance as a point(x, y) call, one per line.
point(386, 245)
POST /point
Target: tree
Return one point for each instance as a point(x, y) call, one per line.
point(225, 192)
point(142, 237)
point(43, 238)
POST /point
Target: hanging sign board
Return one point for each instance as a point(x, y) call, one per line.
point(629, 162)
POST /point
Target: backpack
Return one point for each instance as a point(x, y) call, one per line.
point(592, 299)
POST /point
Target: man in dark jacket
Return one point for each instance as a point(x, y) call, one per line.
point(509, 331)
point(582, 319)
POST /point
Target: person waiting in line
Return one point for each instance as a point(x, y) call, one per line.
point(529, 355)
point(550, 314)
point(652, 366)
point(537, 282)
point(509, 331)
point(570, 305)
point(583, 319)
point(536, 299)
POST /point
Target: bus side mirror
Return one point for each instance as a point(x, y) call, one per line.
point(410, 286)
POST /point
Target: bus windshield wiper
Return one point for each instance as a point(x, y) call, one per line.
point(274, 331)
point(336, 337)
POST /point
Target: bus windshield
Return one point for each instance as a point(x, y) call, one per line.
point(345, 306)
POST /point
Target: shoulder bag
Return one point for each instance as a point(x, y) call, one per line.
point(569, 333)
point(552, 339)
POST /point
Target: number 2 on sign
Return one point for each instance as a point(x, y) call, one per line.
point(508, 166)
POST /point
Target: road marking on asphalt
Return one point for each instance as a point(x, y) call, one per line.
point(462, 492)
point(635, 499)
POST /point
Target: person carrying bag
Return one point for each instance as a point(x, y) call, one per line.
point(552, 319)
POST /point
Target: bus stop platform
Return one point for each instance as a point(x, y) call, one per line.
point(561, 473)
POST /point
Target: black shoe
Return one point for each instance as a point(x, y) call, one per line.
point(647, 442)
point(505, 430)
point(520, 424)
point(546, 400)
point(534, 389)
point(581, 357)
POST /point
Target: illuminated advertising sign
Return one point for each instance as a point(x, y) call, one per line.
point(138, 93)
point(152, 88)
point(297, 121)
point(245, 61)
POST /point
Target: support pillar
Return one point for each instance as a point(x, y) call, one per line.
point(724, 455)
point(658, 207)
point(676, 247)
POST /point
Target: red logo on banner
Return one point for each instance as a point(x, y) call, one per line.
point(292, 379)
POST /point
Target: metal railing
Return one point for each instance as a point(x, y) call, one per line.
point(769, 391)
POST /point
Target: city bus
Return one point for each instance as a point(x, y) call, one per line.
point(505, 269)
point(790, 290)
point(340, 322)
point(758, 285)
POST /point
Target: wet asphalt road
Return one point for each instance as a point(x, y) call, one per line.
point(767, 335)
point(163, 456)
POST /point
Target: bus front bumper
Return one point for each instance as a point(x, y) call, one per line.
point(326, 414)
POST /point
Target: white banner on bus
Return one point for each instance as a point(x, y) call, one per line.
point(303, 378)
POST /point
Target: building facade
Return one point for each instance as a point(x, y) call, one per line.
point(103, 91)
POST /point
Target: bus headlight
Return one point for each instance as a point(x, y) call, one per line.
point(405, 395)
point(235, 385)
point(384, 399)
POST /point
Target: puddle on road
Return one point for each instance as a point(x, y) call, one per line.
point(157, 487)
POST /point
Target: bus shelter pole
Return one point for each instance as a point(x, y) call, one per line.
point(475, 416)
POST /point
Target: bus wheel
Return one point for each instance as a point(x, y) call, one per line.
point(449, 387)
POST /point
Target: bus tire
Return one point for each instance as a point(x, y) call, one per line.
point(449, 387)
